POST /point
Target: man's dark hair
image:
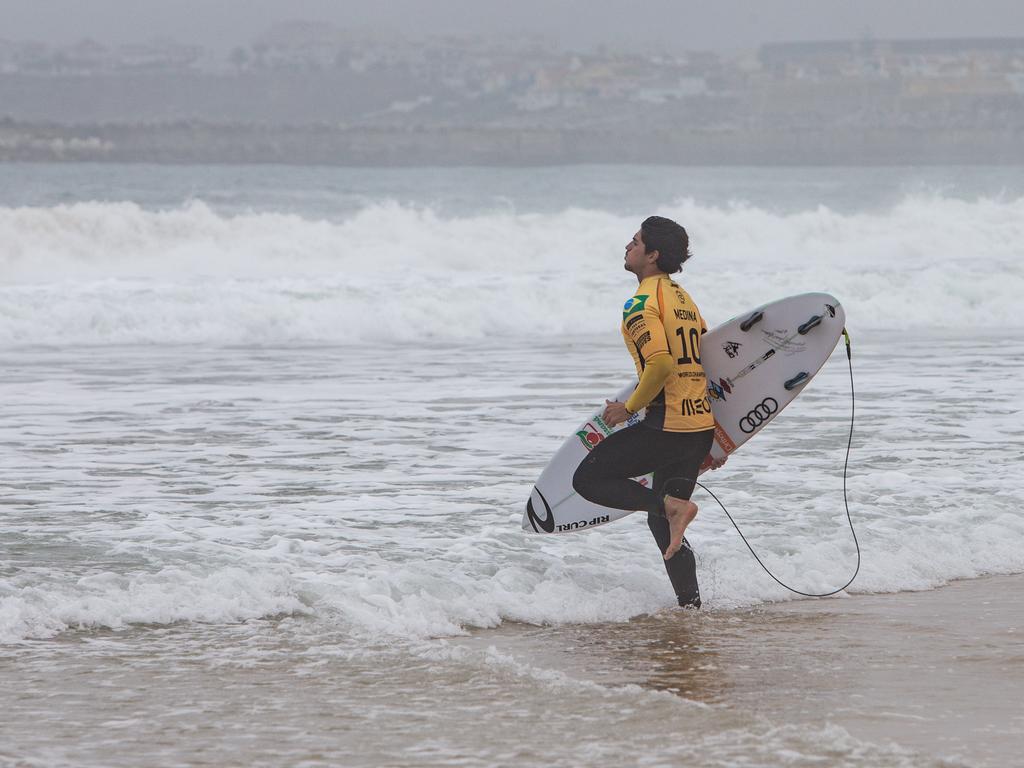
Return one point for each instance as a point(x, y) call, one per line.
point(669, 240)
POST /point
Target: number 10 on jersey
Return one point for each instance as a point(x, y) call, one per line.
point(691, 355)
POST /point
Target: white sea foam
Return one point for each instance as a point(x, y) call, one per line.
point(607, 575)
point(261, 483)
point(94, 273)
point(115, 600)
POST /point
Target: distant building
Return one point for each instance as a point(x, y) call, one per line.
point(955, 57)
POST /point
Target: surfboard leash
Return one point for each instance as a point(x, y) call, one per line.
point(846, 464)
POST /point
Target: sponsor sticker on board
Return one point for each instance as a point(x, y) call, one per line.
point(723, 439)
point(589, 436)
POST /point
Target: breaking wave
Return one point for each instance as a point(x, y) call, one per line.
point(116, 273)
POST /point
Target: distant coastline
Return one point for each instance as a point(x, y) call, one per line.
point(186, 142)
point(310, 95)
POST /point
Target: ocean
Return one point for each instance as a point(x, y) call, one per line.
point(267, 433)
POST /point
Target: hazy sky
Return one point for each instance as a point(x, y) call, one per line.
point(629, 24)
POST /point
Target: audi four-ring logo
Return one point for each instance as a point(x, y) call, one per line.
point(759, 415)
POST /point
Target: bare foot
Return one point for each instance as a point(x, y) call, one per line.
point(680, 513)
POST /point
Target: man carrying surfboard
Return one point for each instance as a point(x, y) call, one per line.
point(662, 329)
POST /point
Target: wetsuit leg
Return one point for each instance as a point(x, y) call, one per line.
point(603, 477)
point(682, 568)
point(679, 479)
point(674, 457)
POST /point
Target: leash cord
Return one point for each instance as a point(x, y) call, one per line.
point(846, 464)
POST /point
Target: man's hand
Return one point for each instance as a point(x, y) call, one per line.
point(614, 412)
point(716, 463)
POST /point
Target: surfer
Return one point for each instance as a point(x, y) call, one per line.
point(662, 328)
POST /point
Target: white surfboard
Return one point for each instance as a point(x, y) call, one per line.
point(756, 364)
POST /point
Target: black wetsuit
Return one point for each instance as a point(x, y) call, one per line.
point(674, 457)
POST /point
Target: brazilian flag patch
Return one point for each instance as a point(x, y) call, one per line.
point(635, 304)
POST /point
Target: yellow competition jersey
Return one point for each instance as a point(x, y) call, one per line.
point(661, 319)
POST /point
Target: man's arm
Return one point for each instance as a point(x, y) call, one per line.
point(656, 373)
point(646, 331)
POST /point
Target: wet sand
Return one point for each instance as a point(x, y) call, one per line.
point(938, 672)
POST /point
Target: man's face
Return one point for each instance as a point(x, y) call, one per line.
point(636, 259)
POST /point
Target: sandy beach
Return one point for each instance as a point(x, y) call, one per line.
point(937, 672)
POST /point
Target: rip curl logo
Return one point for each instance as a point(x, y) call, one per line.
point(574, 526)
point(546, 523)
point(635, 304)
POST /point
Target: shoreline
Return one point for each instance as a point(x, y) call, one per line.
point(935, 672)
